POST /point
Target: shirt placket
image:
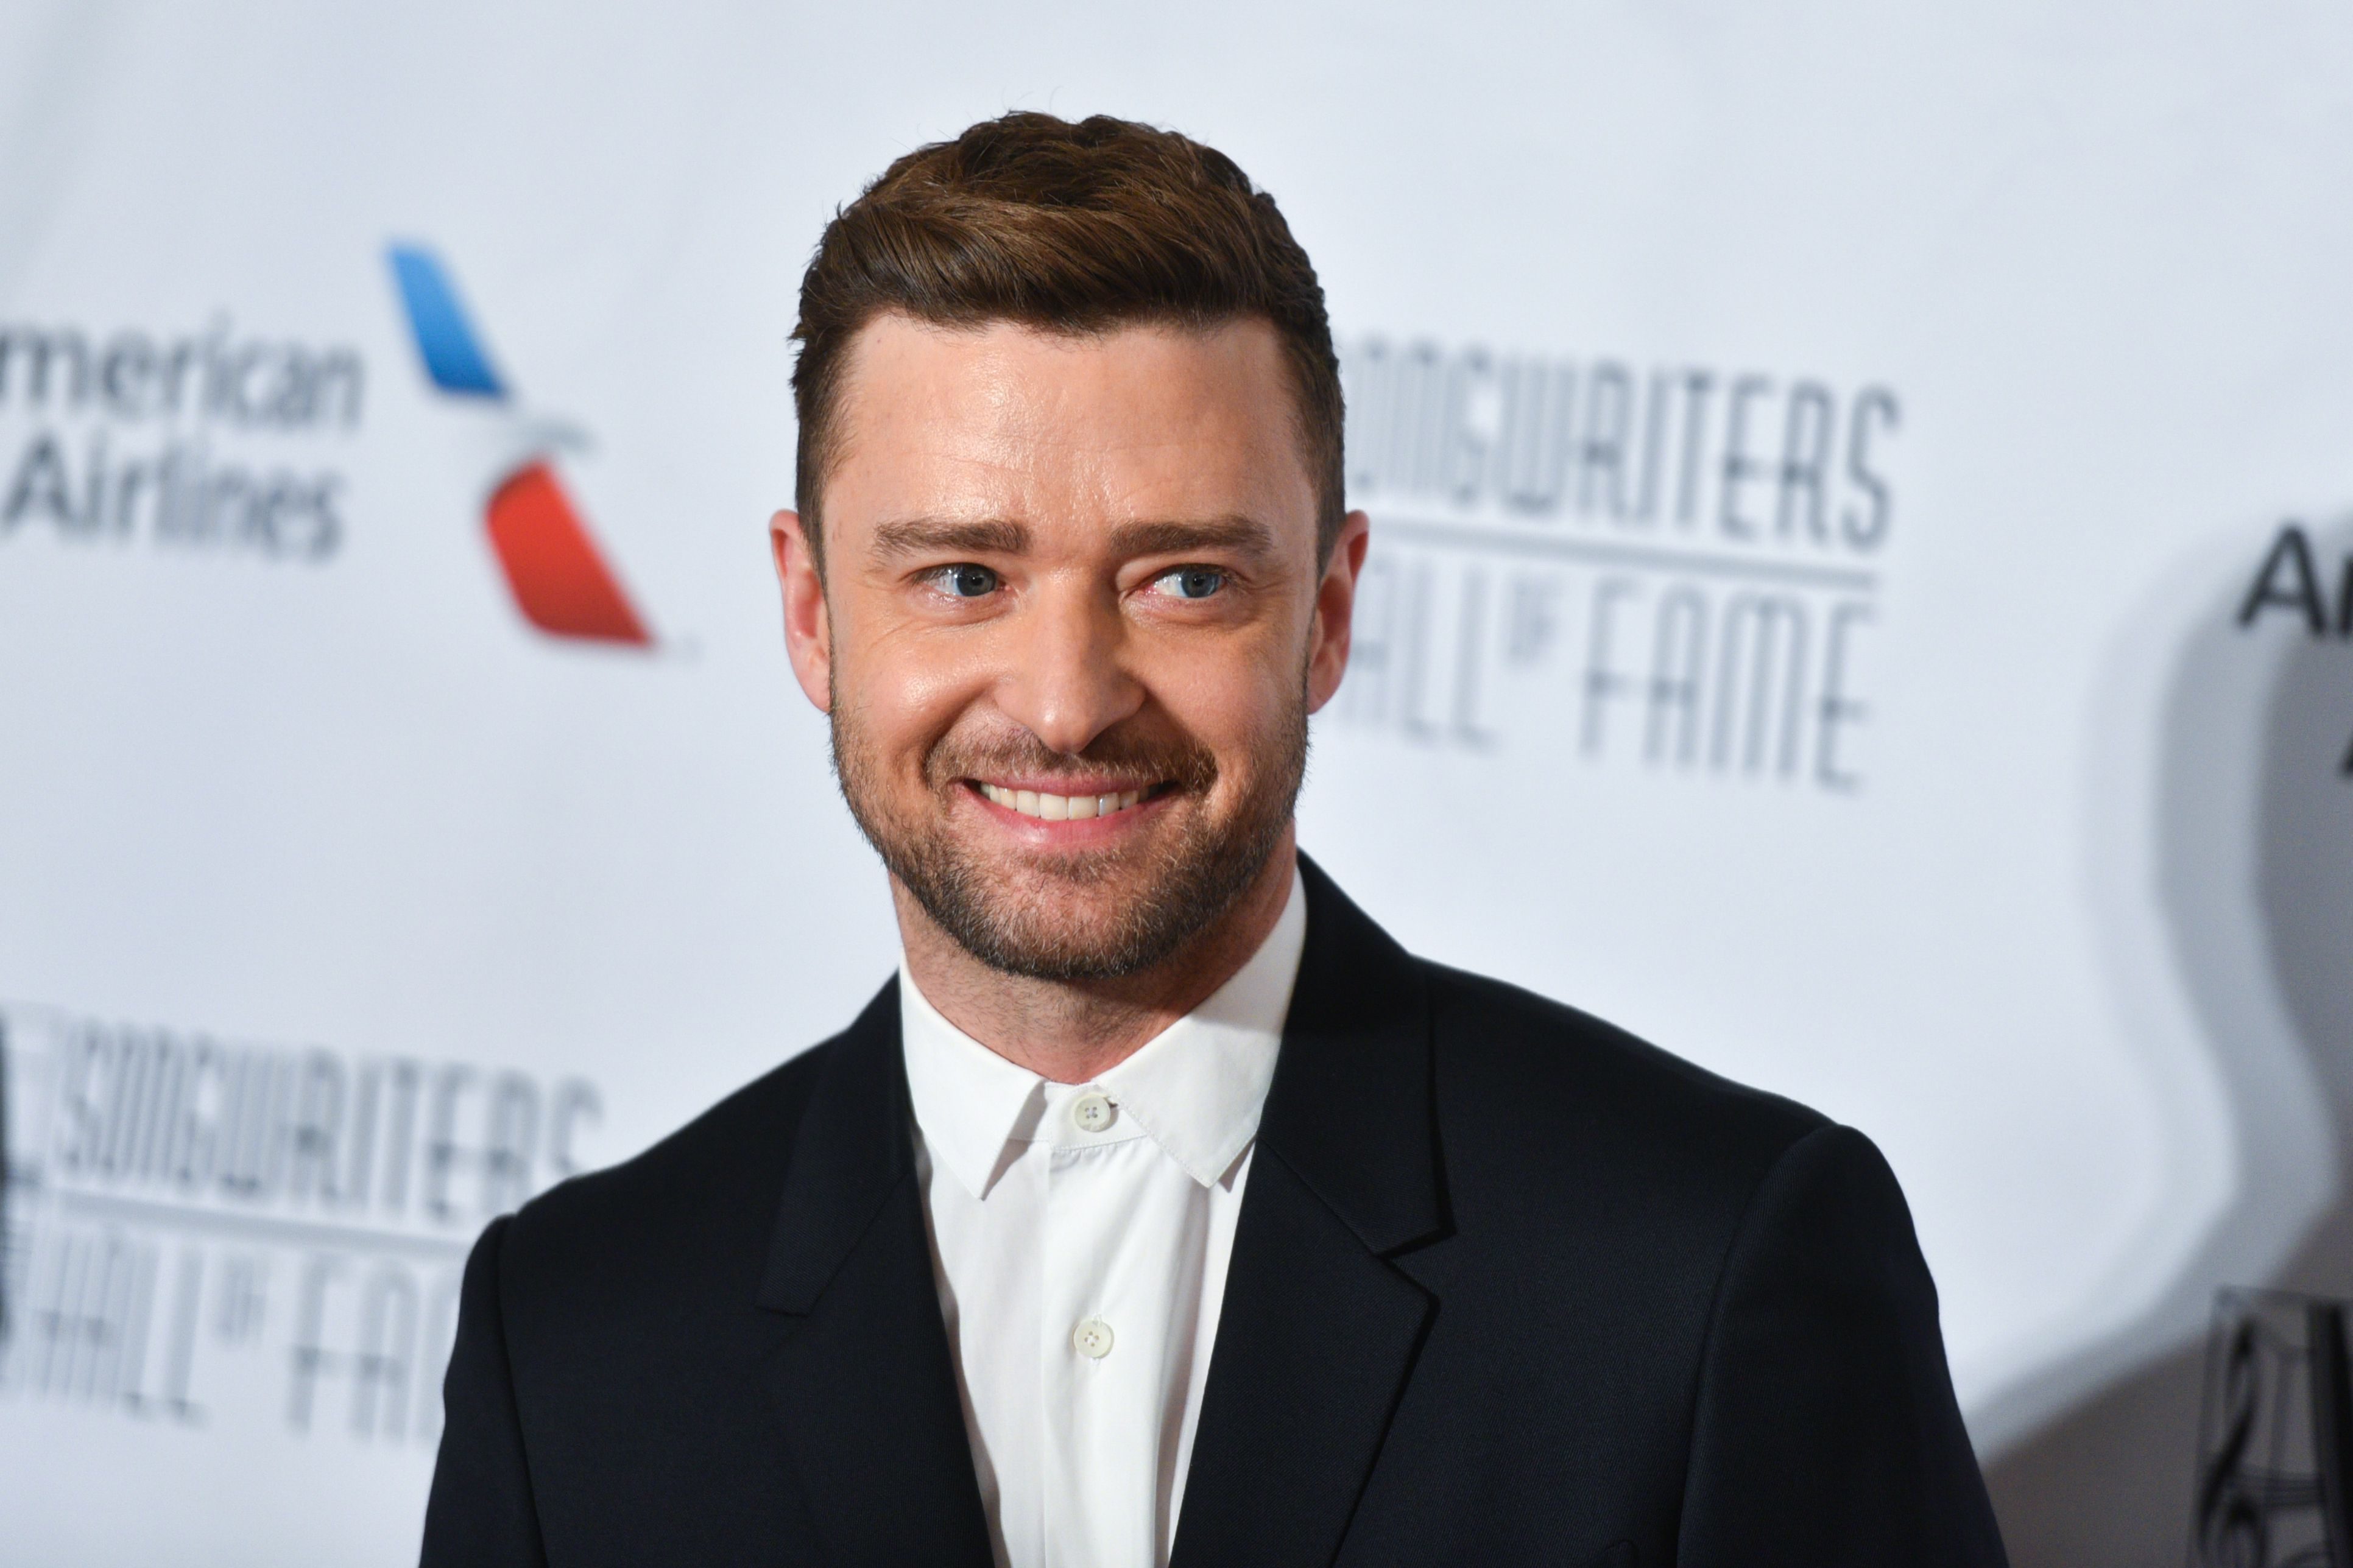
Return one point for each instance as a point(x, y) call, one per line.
point(1098, 1456)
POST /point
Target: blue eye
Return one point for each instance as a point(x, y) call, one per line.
point(968, 582)
point(1193, 581)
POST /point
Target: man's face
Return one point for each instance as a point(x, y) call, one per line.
point(1070, 628)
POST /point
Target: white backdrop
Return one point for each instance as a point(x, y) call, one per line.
point(1819, 459)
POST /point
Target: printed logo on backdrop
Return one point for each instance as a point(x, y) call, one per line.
point(227, 441)
point(211, 1234)
point(560, 580)
point(1678, 568)
point(213, 439)
point(2298, 588)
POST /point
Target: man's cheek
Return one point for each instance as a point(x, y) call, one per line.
point(1236, 715)
point(900, 708)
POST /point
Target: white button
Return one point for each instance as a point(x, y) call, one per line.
point(1091, 1339)
point(1093, 1112)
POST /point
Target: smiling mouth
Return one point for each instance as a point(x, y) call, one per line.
point(1048, 807)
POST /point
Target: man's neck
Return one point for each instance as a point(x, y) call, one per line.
point(1071, 1031)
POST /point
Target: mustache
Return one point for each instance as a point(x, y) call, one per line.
point(1138, 760)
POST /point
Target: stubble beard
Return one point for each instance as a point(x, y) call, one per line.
point(1038, 924)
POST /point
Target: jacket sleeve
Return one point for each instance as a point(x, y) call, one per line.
point(1825, 1431)
point(481, 1513)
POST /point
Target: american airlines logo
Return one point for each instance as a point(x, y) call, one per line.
point(561, 581)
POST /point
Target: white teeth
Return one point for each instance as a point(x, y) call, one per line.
point(1048, 807)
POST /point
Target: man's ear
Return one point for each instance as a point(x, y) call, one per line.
point(1335, 606)
point(809, 626)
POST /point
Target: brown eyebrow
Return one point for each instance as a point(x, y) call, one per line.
point(1244, 535)
point(925, 536)
point(996, 536)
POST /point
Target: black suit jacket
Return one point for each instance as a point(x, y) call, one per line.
point(1507, 1286)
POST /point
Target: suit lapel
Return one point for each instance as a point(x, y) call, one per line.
point(1318, 1332)
point(863, 1380)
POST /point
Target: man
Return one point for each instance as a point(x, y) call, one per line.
point(1161, 1208)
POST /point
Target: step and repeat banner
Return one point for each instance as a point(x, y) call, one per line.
point(1861, 595)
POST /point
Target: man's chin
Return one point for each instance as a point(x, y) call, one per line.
point(1100, 914)
point(1059, 898)
point(1064, 945)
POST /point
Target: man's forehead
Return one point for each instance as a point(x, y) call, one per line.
point(1000, 407)
point(1008, 369)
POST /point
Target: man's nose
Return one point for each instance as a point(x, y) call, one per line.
point(1066, 683)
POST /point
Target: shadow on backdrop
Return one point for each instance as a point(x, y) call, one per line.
point(2252, 821)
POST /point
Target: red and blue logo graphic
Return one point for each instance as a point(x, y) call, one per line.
point(560, 579)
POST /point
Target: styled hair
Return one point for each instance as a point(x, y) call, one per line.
point(1077, 229)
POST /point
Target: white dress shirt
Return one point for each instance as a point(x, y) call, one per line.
point(1079, 1236)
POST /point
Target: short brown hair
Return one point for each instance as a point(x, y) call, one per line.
point(1070, 228)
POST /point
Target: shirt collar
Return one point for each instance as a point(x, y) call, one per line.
point(1196, 1088)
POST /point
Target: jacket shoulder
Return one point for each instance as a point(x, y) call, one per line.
point(705, 1192)
point(1534, 1079)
